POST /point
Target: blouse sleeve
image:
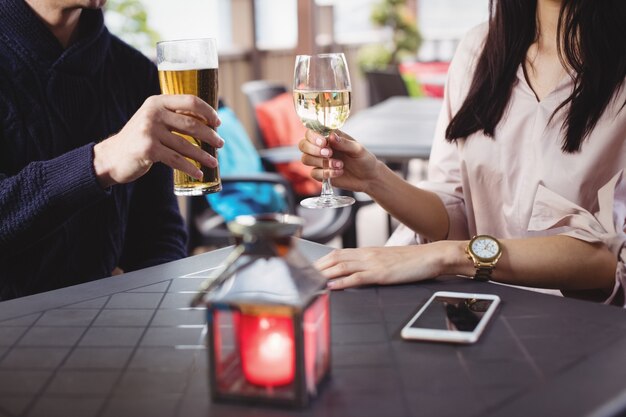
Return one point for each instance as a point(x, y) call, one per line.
point(552, 212)
point(444, 169)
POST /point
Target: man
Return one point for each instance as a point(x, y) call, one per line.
point(84, 140)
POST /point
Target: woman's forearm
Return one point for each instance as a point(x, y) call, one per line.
point(558, 262)
point(422, 211)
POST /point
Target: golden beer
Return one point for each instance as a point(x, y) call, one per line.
point(202, 83)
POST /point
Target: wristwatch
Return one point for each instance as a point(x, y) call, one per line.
point(484, 251)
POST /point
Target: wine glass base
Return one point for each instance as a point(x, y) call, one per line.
point(321, 202)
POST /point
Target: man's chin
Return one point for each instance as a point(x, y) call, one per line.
point(94, 4)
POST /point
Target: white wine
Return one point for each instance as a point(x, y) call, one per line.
point(322, 111)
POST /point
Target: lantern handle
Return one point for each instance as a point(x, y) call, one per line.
point(217, 278)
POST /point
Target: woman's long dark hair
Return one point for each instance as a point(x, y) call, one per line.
point(593, 44)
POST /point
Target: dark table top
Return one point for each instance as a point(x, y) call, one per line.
point(131, 346)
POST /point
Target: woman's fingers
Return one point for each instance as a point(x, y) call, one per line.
point(345, 268)
point(343, 158)
point(315, 139)
point(307, 148)
point(344, 143)
point(316, 144)
point(314, 154)
point(384, 265)
point(318, 161)
point(337, 257)
point(355, 280)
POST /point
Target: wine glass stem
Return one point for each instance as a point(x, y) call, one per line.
point(327, 188)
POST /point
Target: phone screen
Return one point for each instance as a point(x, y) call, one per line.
point(452, 313)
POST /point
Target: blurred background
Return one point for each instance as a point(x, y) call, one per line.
point(258, 39)
point(393, 47)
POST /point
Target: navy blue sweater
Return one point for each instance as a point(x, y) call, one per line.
point(58, 227)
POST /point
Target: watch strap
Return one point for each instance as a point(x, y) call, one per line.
point(483, 274)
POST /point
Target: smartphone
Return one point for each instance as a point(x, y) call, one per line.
point(452, 317)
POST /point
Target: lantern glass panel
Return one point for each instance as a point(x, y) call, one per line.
point(246, 349)
point(316, 342)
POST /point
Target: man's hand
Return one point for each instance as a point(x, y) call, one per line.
point(147, 138)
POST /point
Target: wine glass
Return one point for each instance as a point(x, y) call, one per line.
point(321, 95)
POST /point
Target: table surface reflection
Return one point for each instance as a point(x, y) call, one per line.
point(131, 346)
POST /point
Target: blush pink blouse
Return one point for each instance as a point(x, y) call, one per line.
point(519, 183)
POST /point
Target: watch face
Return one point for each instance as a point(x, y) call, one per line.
point(485, 247)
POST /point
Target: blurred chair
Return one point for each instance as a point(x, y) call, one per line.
point(246, 188)
point(383, 84)
point(257, 92)
point(207, 228)
point(272, 100)
point(280, 128)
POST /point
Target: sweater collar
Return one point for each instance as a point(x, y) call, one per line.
point(21, 28)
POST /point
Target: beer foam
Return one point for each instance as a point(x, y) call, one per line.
point(186, 66)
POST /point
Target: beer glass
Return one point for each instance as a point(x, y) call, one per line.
point(321, 95)
point(190, 67)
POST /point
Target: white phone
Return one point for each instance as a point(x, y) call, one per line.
point(455, 317)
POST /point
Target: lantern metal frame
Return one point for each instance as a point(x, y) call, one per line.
point(266, 245)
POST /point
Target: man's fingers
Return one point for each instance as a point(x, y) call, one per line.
point(179, 162)
point(191, 126)
point(190, 104)
point(182, 146)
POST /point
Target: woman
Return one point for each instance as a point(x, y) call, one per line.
point(529, 149)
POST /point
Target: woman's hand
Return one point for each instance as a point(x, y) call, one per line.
point(147, 138)
point(386, 265)
point(352, 167)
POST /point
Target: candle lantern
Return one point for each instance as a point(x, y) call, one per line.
point(268, 317)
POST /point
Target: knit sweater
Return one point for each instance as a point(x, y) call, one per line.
point(58, 226)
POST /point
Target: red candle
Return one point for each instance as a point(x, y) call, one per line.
point(267, 349)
